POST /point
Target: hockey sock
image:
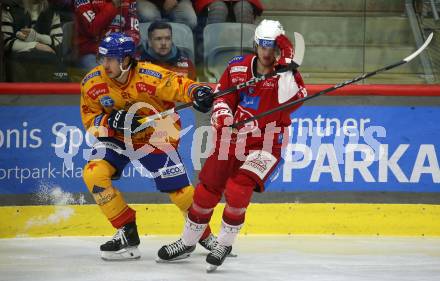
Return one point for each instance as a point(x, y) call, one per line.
point(192, 232)
point(228, 233)
point(97, 177)
point(183, 199)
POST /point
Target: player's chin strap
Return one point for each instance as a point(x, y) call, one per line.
point(123, 71)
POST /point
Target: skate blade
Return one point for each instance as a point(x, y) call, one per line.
point(184, 256)
point(130, 253)
point(232, 255)
point(211, 268)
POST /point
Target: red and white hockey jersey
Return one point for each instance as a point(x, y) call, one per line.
point(97, 18)
point(261, 97)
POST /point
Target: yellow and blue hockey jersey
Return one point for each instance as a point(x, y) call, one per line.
point(155, 87)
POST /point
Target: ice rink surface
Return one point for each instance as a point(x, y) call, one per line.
point(302, 258)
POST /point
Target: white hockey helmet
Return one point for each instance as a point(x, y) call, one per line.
point(266, 33)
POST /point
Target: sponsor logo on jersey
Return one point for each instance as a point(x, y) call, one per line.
point(268, 84)
point(81, 2)
point(98, 90)
point(248, 101)
point(236, 59)
point(238, 79)
point(182, 64)
point(142, 87)
point(107, 101)
point(238, 68)
point(172, 171)
point(150, 72)
point(251, 90)
point(259, 163)
point(90, 76)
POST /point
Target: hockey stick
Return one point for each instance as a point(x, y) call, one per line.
point(296, 62)
point(337, 86)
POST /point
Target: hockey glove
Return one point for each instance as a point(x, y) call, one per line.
point(221, 115)
point(286, 50)
point(203, 98)
point(117, 119)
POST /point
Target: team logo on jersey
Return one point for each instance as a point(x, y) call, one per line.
point(150, 72)
point(98, 90)
point(236, 59)
point(142, 87)
point(172, 171)
point(90, 76)
point(259, 163)
point(238, 68)
point(248, 101)
point(107, 101)
point(251, 90)
point(243, 114)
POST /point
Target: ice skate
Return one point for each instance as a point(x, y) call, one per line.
point(217, 257)
point(174, 251)
point(124, 244)
point(209, 243)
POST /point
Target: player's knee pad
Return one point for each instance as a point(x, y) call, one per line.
point(206, 197)
point(98, 173)
point(239, 191)
point(97, 176)
point(182, 198)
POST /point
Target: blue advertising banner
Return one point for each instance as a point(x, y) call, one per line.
point(332, 148)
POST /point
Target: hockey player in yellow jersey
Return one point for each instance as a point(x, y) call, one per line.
point(115, 96)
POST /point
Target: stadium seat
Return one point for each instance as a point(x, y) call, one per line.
point(222, 41)
point(182, 37)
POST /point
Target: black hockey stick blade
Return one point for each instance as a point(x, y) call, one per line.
point(337, 86)
point(296, 62)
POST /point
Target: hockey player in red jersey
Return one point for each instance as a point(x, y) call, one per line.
point(247, 156)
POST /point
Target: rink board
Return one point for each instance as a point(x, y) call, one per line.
point(267, 218)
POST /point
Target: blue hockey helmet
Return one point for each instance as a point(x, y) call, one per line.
point(117, 45)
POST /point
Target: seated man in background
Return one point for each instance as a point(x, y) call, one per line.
point(32, 40)
point(160, 50)
point(180, 11)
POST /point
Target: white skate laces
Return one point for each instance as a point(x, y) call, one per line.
point(175, 248)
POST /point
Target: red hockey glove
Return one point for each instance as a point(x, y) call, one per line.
point(221, 115)
point(286, 50)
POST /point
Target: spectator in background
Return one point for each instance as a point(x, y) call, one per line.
point(218, 11)
point(97, 18)
point(161, 50)
point(64, 8)
point(32, 37)
point(180, 11)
